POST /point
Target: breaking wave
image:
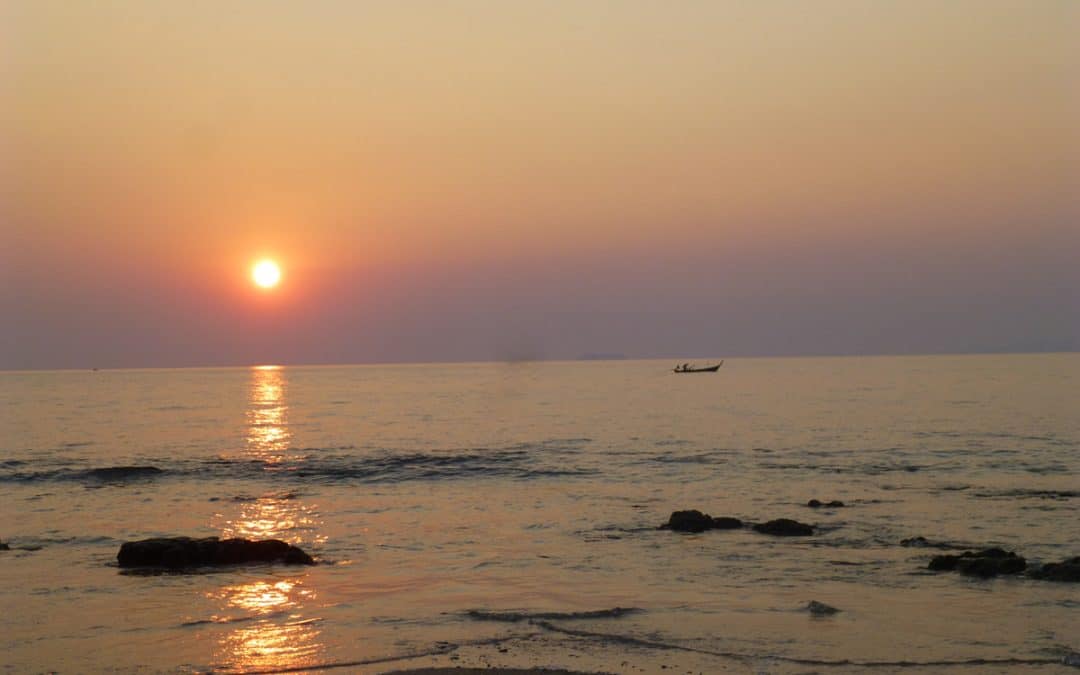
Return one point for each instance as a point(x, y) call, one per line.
point(518, 462)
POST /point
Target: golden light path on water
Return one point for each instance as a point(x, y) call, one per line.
point(282, 635)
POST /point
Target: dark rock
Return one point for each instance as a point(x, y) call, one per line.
point(726, 523)
point(820, 608)
point(4, 547)
point(987, 563)
point(943, 563)
point(180, 552)
point(696, 521)
point(835, 504)
point(991, 567)
point(689, 521)
point(1066, 570)
point(784, 527)
point(296, 556)
point(817, 504)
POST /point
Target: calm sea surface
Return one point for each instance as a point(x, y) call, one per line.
point(490, 513)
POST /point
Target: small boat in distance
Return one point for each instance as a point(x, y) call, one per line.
point(687, 368)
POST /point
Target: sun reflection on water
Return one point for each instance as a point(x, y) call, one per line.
point(262, 596)
point(282, 635)
point(274, 646)
point(267, 425)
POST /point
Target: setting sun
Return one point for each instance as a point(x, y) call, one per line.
point(266, 274)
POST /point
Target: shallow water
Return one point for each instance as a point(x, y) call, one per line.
point(530, 494)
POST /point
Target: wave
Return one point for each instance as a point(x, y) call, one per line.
point(244, 619)
point(223, 620)
point(121, 473)
point(516, 462)
point(271, 497)
point(865, 469)
point(996, 436)
point(100, 475)
point(414, 466)
point(1024, 493)
point(36, 543)
point(717, 456)
point(515, 617)
point(630, 640)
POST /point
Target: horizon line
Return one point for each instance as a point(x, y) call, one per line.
point(579, 359)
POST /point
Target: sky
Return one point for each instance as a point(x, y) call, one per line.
point(460, 180)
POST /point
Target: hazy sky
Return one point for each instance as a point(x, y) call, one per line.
point(484, 180)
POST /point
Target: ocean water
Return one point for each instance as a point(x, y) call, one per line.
point(498, 514)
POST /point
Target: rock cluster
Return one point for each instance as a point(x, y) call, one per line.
point(182, 552)
point(696, 521)
point(991, 562)
point(987, 563)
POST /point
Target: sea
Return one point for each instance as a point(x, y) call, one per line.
point(507, 515)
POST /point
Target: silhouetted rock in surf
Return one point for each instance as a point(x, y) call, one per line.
point(1066, 570)
point(726, 523)
point(784, 527)
point(689, 521)
point(820, 608)
point(696, 521)
point(4, 547)
point(817, 504)
point(182, 552)
point(987, 563)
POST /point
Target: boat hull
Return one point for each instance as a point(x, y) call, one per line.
point(710, 369)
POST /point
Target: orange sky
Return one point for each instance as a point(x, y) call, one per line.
point(390, 152)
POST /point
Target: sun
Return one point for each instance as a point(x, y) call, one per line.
point(266, 274)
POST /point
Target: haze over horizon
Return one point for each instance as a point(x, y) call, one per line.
point(487, 181)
